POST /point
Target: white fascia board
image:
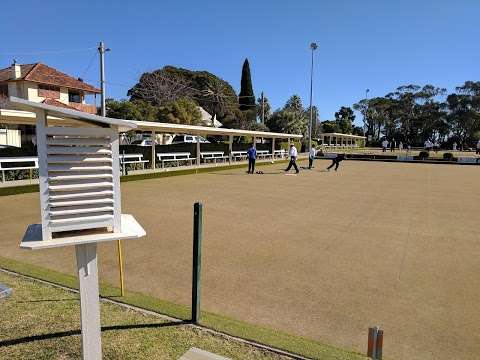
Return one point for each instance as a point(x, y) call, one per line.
point(124, 125)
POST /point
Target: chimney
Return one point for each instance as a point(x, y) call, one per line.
point(16, 70)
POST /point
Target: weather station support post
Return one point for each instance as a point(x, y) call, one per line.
point(89, 305)
point(197, 259)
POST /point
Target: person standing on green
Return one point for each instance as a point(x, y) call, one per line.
point(252, 156)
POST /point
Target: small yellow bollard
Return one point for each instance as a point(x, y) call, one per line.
point(120, 266)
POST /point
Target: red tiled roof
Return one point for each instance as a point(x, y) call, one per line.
point(41, 73)
point(54, 102)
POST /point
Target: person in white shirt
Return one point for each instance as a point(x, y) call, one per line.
point(293, 158)
point(400, 146)
point(384, 145)
point(311, 157)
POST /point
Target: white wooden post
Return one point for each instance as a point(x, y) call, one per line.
point(89, 301)
point(230, 148)
point(153, 150)
point(255, 142)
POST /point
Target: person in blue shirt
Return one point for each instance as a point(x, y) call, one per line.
point(252, 156)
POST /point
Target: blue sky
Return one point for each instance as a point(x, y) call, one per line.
point(375, 44)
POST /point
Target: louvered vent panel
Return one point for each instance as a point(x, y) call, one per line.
point(80, 178)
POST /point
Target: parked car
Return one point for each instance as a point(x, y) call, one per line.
point(182, 139)
point(145, 142)
point(4, 147)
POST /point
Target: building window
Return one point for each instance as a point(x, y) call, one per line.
point(3, 90)
point(48, 91)
point(74, 96)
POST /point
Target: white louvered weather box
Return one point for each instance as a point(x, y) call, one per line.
point(80, 199)
point(82, 189)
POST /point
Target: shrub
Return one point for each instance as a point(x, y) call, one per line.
point(423, 155)
point(448, 156)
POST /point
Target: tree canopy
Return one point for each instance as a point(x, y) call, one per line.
point(414, 114)
point(171, 83)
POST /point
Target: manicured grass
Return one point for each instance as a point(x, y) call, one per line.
point(42, 322)
point(294, 344)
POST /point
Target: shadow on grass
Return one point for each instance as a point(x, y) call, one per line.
point(47, 300)
point(61, 334)
point(246, 174)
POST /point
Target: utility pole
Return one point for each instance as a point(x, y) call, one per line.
point(313, 46)
point(366, 114)
point(102, 50)
point(263, 109)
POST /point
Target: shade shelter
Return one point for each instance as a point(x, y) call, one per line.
point(9, 116)
point(80, 198)
point(338, 140)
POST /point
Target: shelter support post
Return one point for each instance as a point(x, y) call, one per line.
point(273, 149)
point(153, 151)
point(255, 142)
point(230, 148)
point(89, 301)
point(198, 152)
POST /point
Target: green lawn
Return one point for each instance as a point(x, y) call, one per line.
point(38, 310)
point(42, 322)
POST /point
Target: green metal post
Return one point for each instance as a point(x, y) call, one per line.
point(197, 259)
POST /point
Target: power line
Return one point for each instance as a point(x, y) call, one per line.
point(45, 52)
point(89, 65)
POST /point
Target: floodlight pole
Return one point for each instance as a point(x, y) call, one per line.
point(313, 47)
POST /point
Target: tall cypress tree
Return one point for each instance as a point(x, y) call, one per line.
point(246, 98)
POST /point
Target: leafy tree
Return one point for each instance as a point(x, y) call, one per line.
point(315, 120)
point(344, 119)
point(267, 108)
point(132, 110)
point(358, 130)
point(246, 98)
point(329, 126)
point(294, 103)
point(287, 121)
point(171, 83)
point(181, 111)
point(464, 112)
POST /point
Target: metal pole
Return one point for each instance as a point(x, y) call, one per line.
point(263, 109)
point(103, 112)
point(366, 112)
point(313, 46)
point(197, 259)
point(101, 50)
